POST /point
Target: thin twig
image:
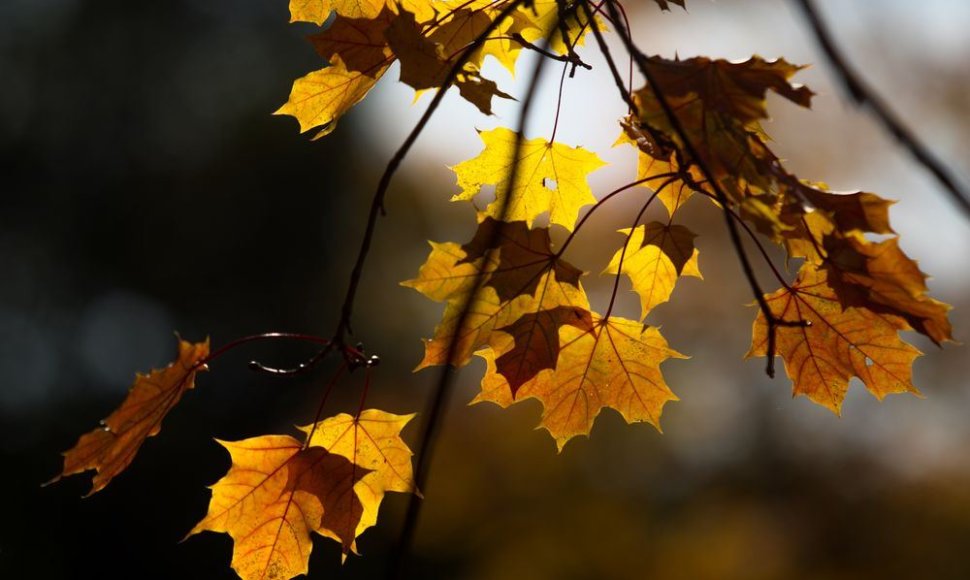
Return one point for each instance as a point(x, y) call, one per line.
point(624, 91)
point(439, 401)
point(863, 95)
point(377, 203)
point(572, 58)
point(642, 64)
point(626, 244)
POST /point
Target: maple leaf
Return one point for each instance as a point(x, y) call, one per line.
point(657, 166)
point(521, 275)
point(321, 97)
point(463, 25)
point(862, 211)
point(656, 256)
point(373, 441)
point(612, 363)
point(718, 105)
point(315, 11)
point(551, 177)
point(488, 314)
point(358, 42)
point(536, 342)
point(883, 278)
point(734, 90)
point(874, 275)
point(425, 62)
point(536, 20)
point(109, 449)
point(838, 343)
point(275, 493)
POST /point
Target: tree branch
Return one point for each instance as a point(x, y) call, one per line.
point(863, 95)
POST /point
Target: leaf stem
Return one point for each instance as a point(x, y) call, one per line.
point(323, 401)
point(587, 215)
point(626, 244)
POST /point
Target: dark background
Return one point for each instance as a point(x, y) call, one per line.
point(146, 189)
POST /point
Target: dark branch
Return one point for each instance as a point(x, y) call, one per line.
point(863, 95)
point(570, 58)
point(605, 50)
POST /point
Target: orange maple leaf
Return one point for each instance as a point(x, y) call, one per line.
point(373, 441)
point(522, 275)
point(839, 342)
point(109, 449)
point(275, 493)
point(612, 363)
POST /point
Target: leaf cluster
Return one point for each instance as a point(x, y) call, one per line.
point(510, 295)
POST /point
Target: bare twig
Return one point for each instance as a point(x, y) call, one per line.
point(863, 95)
point(605, 50)
point(570, 58)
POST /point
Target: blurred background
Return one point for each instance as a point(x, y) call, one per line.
point(146, 189)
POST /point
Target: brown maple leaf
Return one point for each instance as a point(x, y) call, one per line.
point(520, 275)
point(110, 448)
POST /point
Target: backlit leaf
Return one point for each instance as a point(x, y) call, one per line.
point(372, 441)
point(109, 449)
point(275, 494)
point(613, 363)
point(839, 342)
point(656, 256)
point(321, 97)
point(521, 275)
point(551, 177)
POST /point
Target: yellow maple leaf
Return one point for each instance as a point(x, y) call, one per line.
point(520, 275)
point(656, 256)
point(613, 363)
point(315, 11)
point(550, 177)
point(535, 20)
point(274, 495)
point(109, 449)
point(658, 166)
point(372, 441)
point(321, 97)
point(488, 314)
point(837, 343)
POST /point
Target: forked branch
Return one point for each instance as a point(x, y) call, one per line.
point(722, 198)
